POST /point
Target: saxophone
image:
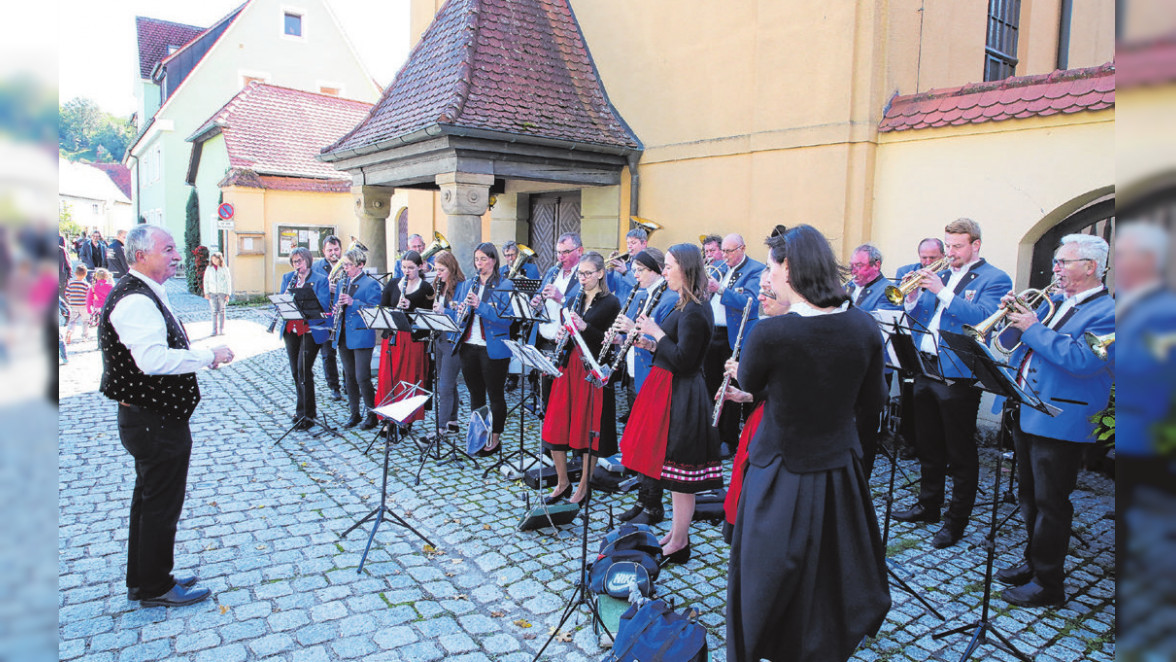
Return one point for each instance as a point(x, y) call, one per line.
point(735, 356)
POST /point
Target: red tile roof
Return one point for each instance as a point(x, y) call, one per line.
point(119, 174)
point(1068, 91)
point(273, 130)
point(513, 66)
point(155, 36)
point(250, 179)
point(1146, 63)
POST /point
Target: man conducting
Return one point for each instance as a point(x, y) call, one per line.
point(149, 369)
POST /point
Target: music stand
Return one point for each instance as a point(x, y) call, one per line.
point(995, 378)
point(903, 357)
point(516, 305)
point(435, 324)
point(301, 304)
point(383, 318)
point(406, 402)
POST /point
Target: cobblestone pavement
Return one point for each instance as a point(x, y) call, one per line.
point(262, 525)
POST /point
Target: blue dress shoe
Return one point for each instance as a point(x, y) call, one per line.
point(1033, 595)
point(186, 582)
point(178, 596)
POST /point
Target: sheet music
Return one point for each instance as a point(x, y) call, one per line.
point(400, 411)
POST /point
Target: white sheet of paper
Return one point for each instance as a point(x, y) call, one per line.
point(399, 411)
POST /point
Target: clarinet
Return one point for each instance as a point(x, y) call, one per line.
point(650, 303)
point(734, 355)
point(563, 349)
point(611, 334)
point(338, 312)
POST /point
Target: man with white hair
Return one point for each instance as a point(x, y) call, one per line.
point(149, 368)
point(1055, 362)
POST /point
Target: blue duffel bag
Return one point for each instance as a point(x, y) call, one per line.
point(655, 633)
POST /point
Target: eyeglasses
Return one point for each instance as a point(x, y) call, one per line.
point(563, 253)
point(586, 274)
point(728, 251)
point(1064, 262)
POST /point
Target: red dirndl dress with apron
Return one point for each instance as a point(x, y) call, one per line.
point(643, 445)
point(731, 503)
point(405, 361)
point(572, 420)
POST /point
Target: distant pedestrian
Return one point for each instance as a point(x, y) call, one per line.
point(218, 287)
point(116, 256)
point(103, 283)
point(93, 252)
point(76, 293)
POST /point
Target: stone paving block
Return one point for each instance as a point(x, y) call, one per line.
point(423, 651)
point(231, 653)
point(196, 641)
point(271, 644)
point(154, 650)
point(312, 654)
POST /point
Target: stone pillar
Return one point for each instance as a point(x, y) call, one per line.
point(372, 206)
point(464, 198)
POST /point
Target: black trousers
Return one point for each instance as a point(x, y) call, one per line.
point(357, 375)
point(946, 434)
point(330, 366)
point(717, 354)
point(1047, 472)
point(485, 378)
point(301, 351)
point(161, 447)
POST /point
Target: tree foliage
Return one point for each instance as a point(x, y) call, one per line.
point(65, 221)
point(191, 243)
point(28, 110)
point(87, 133)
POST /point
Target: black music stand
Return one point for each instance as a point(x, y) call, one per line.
point(580, 594)
point(407, 400)
point(903, 357)
point(435, 323)
point(516, 305)
point(383, 318)
point(995, 378)
point(301, 304)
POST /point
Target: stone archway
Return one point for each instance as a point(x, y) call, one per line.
point(1097, 218)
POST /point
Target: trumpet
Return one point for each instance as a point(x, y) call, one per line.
point(911, 281)
point(615, 255)
point(645, 224)
point(525, 254)
point(1099, 344)
point(712, 270)
point(1030, 298)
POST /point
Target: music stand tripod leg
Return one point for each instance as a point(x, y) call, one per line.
point(580, 593)
point(902, 584)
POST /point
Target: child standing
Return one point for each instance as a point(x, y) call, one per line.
point(77, 291)
point(102, 286)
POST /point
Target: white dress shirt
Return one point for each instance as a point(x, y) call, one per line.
point(144, 331)
point(930, 342)
point(550, 330)
point(717, 307)
point(1059, 314)
point(476, 337)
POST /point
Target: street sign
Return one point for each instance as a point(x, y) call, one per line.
point(225, 211)
point(226, 225)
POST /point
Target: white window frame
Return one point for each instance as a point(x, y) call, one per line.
point(292, 10)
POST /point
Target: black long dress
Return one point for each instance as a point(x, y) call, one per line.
point(669, 435)
point(807, 578)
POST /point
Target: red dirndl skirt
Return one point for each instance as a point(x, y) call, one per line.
point(731, 504)
point(572, 420)
point(406, 361)
point(643, 446)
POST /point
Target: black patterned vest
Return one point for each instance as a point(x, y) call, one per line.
point(174, 396)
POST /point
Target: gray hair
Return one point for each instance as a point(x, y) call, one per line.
point(639, 234)
point(356, 256)
point(1147, 238)
point(303, 253)
point(414, 236)
point(872, 251)
point(1090, 247)
point(510, 245)
point(572, 237)
point(142, 238)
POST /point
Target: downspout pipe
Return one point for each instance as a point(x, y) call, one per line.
point(1064, 34)
point(634, 183)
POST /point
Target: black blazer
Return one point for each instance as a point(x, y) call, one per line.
point(422, 298)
